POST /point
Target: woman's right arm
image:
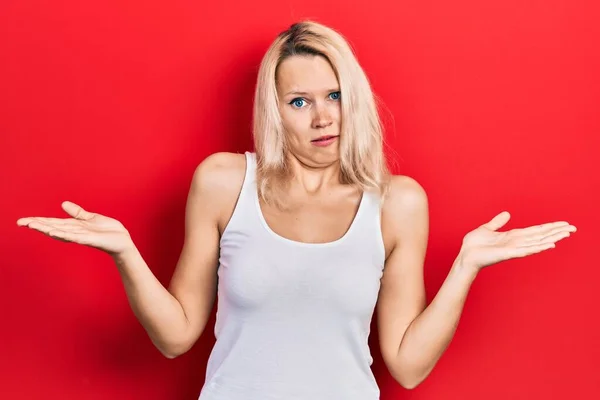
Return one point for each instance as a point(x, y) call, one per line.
point(174, 318)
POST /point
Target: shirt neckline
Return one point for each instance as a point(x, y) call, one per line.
point(307, 244)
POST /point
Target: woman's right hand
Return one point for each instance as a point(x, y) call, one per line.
point(87, 228)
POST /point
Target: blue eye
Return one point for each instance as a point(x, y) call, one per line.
point(297, 102)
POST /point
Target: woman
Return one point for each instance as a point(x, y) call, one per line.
point(301, 240)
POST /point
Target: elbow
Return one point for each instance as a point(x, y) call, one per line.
point(407, 382)
point(409, 379)
point(170, 354)
point(173, 350)
point(410, 385)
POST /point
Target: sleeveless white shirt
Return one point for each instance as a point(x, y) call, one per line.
point(293, 318)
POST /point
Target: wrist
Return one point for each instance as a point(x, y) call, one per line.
point(464, 269)
point(126, 255)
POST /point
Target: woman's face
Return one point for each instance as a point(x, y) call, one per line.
point(309, 104)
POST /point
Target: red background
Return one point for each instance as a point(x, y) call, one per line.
point(490, 105)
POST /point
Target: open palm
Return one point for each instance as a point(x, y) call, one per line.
point(485, 246)
point(86, 228)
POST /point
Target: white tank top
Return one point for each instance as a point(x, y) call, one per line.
point(293, 318)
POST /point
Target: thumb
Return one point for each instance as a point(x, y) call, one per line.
point(76, 211)
point(498, 221)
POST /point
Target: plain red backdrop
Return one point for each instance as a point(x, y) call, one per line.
point(490, 105)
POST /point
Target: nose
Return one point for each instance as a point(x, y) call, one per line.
point(322, 117)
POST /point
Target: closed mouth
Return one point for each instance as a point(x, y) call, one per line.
point(323, 138)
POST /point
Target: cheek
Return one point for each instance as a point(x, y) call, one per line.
point(337, 112)
point(295, 123)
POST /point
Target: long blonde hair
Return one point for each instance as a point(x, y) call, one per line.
point(362, 160)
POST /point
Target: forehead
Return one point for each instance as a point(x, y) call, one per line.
point(305, 73)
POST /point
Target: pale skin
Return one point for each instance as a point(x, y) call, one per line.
point(412, 334)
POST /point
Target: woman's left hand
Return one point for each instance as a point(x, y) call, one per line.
point(484, 246)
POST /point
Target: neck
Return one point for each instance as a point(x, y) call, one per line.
point(313, 178)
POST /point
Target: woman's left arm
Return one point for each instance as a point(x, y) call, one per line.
point(413, 336)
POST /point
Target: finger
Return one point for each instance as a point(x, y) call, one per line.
point(548, 240)
point(45, 228)
point(542, 236)
point(538, 229)
point(66, 236)
point(53, 235)
point(519, 252)
point(555, 237)
point(25, 221)
point(71, 224)
point(51, 221)
point(76, 211)
point(73, 234)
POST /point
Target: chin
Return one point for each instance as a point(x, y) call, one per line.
point(328, 155)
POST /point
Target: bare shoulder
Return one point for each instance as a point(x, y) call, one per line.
point(223, 162)
point(220, 172)
point(405, 210)
point(404, 194)
point(218, 180)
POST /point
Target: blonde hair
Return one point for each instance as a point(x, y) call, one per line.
point(362, 160)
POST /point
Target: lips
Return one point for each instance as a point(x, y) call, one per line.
point(323, 138)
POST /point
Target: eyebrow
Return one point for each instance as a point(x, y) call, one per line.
point(305, 93)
